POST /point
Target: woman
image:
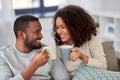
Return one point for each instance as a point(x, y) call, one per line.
point(74, 26)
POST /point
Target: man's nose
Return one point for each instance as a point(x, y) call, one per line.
point(40, 35)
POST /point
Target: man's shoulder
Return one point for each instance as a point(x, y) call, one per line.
point(6, 48)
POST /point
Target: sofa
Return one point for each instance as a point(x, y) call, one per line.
point(112, 61)
point(90, 73)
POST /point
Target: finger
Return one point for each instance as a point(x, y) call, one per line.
point(72, 50)
point(70, 53)
point(39, 51)
point(70, 57)
point(44, 50)
point(73, 53)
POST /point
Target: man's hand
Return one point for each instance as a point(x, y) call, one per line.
point(41, 57)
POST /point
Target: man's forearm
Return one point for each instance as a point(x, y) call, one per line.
point(29, 71)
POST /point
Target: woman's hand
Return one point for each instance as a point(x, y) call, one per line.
point(75, 54)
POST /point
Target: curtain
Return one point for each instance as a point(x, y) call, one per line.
point(7, 17)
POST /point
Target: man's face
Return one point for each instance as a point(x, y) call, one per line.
point(33, 35)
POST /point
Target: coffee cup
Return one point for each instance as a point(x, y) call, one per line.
point(51, 51)
point(65, 52)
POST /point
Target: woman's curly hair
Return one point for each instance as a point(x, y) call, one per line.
point(80, 24)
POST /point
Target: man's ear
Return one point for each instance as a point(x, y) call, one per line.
point(21, 34)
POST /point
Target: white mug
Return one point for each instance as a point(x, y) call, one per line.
point(51, 51)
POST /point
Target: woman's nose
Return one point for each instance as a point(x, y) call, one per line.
point(59, 30)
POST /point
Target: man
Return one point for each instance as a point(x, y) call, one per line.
point(25, 60)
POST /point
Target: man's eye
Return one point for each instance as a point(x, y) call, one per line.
point(35, 32)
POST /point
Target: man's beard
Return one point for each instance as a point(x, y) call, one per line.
point(30, 45)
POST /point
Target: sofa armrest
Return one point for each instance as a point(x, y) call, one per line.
point(112, 61)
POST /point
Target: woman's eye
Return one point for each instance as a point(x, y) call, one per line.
point(64, 27)
point(56, 27)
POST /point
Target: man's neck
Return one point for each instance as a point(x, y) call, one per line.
point(22, 48)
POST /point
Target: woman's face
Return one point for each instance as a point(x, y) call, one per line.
point(63, 32)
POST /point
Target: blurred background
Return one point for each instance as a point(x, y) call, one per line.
point(106, 14)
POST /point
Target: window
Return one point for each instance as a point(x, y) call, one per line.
point(39, 7)
point(49, 3)
point(0, 5)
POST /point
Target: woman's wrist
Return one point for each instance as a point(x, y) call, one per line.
point(84, 58)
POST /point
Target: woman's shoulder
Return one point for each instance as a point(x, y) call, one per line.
point(94, 39)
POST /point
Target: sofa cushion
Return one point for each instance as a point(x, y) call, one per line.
point(86, 72)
